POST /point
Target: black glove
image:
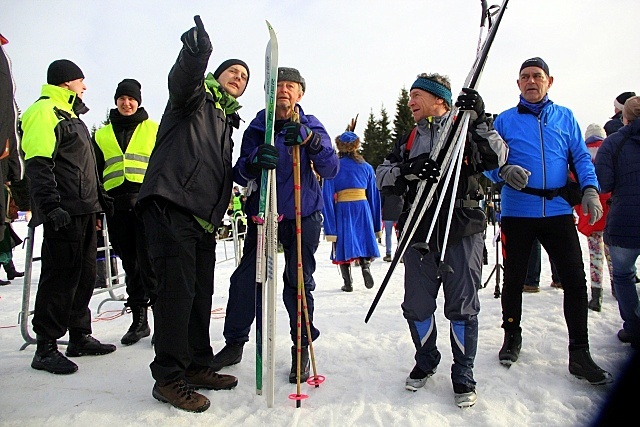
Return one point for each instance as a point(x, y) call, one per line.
point(422, 168)
point(265, 156)
point(108, 207)
point(470, 100)
point(299, 134)
point(196, 40)
point(59, 217)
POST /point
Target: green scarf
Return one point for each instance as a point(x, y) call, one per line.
point(224, 101)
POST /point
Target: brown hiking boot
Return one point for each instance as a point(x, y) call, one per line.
point(181, 395)
point(209, 379)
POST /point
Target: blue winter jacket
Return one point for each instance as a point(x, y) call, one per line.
point(623, 180)
point(325, 163)
point(542, 145)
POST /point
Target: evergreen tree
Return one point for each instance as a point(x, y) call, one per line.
point(105, 122)
point(403, 123)
point(385, 142)
point(371, 138)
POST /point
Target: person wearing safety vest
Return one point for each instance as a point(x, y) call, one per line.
point(122, 152)
point(66, 195)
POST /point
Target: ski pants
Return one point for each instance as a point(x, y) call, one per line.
point(461, 304)
point(558, 235)
point(67, 278)
point(241, 307)
point(183, 256)
point(127, 236)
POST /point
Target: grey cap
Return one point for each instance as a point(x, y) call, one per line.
point(291, 75)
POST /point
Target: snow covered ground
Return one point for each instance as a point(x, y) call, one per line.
point(365, 365)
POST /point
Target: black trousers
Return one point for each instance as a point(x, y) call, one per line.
point(183, 257)
point(127, 236)
point(67, 278)
point(558, 235)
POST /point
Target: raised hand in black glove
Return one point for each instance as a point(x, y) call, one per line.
point(264, 156)
point(59, 217)
point(196, 40)
point(299, 134)
point(422, 168)
point(470, 100)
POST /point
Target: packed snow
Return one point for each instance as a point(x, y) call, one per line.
point(365, 365)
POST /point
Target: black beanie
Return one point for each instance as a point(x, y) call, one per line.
point(536, 62)
point(129, 87)
point(621, 99)
point(62, 71)
point(228, 63)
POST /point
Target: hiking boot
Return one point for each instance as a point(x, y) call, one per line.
point(180, 395)
point(207, 378)
point(531, 289)
point(387, 258)
point(304, 365)
point(48, 358)
point(582, 366)
point(345, 271)
point(511, 347)
point(87, 345)
point(231, 354)
point(366, 273)
point(556, 285)
point(139, 327)
point(417, 379)
point(596, 299)
point(465, 395)
point(12, 273)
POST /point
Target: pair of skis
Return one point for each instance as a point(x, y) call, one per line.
point(445, 149)
point(267, 244)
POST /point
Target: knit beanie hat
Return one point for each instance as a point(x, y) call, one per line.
point(286, 74)
point(129, 87)
point(596, 130)
point(631, 109)
point(228, 63)
point(434, 88)
point(621, 99)
point(536, 62)
point(63, 70)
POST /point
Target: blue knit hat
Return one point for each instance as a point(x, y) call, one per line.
point(433, 88)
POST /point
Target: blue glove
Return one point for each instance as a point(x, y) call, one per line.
point(422, 168)
point(196, 40)
point(59, 217)
point(264, 156)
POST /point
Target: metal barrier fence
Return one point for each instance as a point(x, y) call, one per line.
point(234, 234)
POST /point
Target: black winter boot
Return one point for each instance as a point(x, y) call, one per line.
point(304, 364)
point(114, 271)
point(366, 273)
point(511, 347)
point(12, 273)
point(582, 366)
point(230, 354)
point(48, 358)
point(139, 327)
point(86, 345)
point(345, 271)
point(596, 299)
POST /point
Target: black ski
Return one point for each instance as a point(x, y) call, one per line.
point(442, 151)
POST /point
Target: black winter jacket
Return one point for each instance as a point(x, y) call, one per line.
point(190, 165)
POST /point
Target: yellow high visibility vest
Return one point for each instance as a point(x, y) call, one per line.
point(132, 164)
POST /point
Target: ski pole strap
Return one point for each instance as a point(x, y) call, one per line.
point(351, 195)
point(464, 203)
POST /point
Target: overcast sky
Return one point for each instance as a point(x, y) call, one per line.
point(355, 55)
